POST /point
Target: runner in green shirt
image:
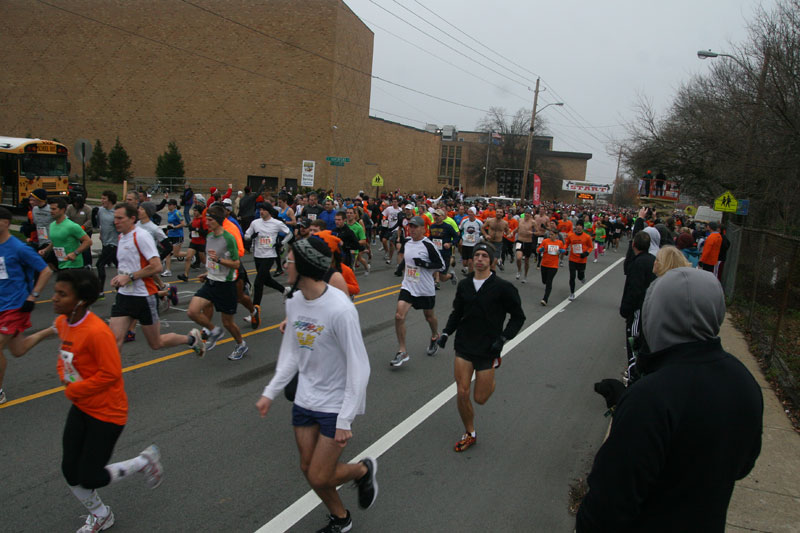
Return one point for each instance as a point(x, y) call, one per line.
point(67, 239)
point(357, 226)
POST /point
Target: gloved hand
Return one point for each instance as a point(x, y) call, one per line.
point(584, 255)
point(27, 306)
point(442, 340)
point(422, 263)
point(497, 345)
point(169, 227)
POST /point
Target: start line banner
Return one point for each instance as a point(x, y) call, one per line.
point(585, 186)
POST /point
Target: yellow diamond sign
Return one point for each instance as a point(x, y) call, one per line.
point(377, 181)
point(726, 202)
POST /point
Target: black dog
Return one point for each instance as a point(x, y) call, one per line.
point(611, 390)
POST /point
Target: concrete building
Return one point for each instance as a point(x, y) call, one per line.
point(248, 89)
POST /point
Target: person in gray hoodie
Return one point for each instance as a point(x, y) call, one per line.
point(687, 430)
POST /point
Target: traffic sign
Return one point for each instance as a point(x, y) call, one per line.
point(726, 202)
point(377, 181)
point(83, 150)
point(337, 161)
point(690, 210)
point(743, 207)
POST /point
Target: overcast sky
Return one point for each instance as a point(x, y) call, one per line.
point(596, 57)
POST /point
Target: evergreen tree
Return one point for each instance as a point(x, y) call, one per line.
point(170, 164)
point(119, 163)
point(98, 163)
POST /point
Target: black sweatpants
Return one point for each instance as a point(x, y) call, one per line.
point(547, 278)
point(263, 277)
point(107, 257)
point(580, 270)
point(87, 447)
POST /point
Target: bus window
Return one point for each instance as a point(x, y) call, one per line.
point(44, 165)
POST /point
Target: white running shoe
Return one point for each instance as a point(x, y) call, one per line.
point(239, 352)
point(524, 280)
point(94, 524)
point(595, 261)
point(166, 274)
point(518, 275)
point(199, 346)
point(153, 471)
point(399, 359)
point(571, 297)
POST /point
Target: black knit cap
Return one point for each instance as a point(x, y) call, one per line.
point(312, 257)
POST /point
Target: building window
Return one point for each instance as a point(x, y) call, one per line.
point(450, 165)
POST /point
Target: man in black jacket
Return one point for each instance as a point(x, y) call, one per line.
point(638, 278)
point(479, 310)
point(247, 208)
point(687, 430)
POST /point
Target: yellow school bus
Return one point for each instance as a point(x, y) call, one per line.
point(28, 164)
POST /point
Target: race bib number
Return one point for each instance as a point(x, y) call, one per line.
point(385, 223)
point(437, 243)
point(540, 240)
point(518, 246)
point(577, 248)
point(552, 249)
point(265, 242)
point(312, 216)
point(211, 265)
point(195, 234)
point(41, 232)
point(3, 271)
point(71, 374)
point(471, 238)
point(61, 253)
point(412, 274)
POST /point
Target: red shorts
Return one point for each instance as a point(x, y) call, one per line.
point(14, 321)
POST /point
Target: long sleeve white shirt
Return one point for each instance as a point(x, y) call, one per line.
point(267, 237)
point(323, 343)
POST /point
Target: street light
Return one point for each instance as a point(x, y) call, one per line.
point(708, 54)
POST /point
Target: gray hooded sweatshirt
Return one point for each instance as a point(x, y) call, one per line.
point(683, 305)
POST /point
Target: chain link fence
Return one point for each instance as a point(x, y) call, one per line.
point(761, 278)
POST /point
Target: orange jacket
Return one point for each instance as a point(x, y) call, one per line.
point(350, 279)
point(551, 251)
point(99, 391)
point(711, 248)
point(578, 244)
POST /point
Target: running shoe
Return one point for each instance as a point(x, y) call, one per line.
point(183, 277)
point(130, 336)
point(101, 296)
point(453, 278)
point(166, 274)
point(94, 524)
point(432, 346)
point(239, 352)
point(518, 275)
point(437, 286)
point(388, 261)
point(500, 266)
point(255, 318)
point(2, 396)
point(464, 271)
point(248, 319)
point(366, 272)
point(278, 273)
point(337, 525)
point(595, 261)
point(543, 302)
point(153, 471)
point(214, 337)
point(524, 280)
point(198, 345)
point(368, 485)
point(399, 359)
point(466, 441)
point(571, 296)
point(286, 291)
point(173, 295)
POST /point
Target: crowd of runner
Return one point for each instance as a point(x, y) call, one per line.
point(318, 242)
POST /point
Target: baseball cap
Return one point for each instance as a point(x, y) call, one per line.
point(40, 194)
point(439, 212)
point(227, 202)
point(304, 223)
point(473, 211)
point(417, 221)
point(409, 206)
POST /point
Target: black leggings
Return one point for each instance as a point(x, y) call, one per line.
point(576, 268)
point(87, 446)
point(263, 277)
point(547, 278)
point(107, 257)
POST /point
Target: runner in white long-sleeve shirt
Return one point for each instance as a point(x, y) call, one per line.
point(323, 347)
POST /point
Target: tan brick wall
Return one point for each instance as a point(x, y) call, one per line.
point(407, 158)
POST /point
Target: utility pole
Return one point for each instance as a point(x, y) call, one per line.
point(486, 168)
point(524, 190)
point(616, 177)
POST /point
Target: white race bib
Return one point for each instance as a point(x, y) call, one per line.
point(265, 241)
point(195, 234)
point(539, 240)
point(385, 223)
point(412, 274)
point(312, 216)
point(470, 238)
point(41, 232)
point(3, 271)
point(211, 265)
point(71, 374)
point(552, 249)
point(437, 243)
point(577, 249)
point(518, 246)
point(61, 253)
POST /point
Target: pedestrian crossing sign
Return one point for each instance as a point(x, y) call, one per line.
point(377, 181)
point(726, 202)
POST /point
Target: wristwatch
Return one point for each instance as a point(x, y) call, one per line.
point(34, 294)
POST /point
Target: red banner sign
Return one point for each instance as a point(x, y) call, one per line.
point(537, 189)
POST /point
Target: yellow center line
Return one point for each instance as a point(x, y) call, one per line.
point(138, 366)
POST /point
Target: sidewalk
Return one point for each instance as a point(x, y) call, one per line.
point(768, 500)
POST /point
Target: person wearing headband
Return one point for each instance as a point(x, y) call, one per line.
point(323, 352)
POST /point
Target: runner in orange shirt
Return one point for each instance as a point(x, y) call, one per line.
point(551, 249)
point(580, 245)
point(90, 368)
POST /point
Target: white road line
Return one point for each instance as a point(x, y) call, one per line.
point(299, 509)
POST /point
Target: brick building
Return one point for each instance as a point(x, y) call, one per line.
point(248, 89)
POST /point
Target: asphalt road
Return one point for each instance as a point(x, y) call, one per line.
point(229, 470)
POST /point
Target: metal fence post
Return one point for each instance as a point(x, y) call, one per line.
point(755, 281)
point(784, 304)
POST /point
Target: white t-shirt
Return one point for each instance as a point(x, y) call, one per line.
point(470, 232)
point(478, 283)
point(391, 213)
point(418, 281)
point(323, 342)
point(267, 236)
point(154, 231)
point(130, 259)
